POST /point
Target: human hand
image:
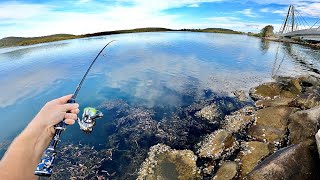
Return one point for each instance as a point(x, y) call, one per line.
point(54, 112)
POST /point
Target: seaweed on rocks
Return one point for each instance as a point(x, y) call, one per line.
point(81, 162)
point(139, 128)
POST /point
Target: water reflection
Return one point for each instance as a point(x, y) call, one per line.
point(16, 88)
point(21, 52)
point(303, 56)
point(265, 45)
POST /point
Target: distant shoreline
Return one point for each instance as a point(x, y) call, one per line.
point(25, 41)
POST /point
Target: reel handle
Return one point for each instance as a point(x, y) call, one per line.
point(44, 167)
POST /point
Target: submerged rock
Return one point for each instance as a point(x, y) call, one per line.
point(239, 120)
point(253, 152)
point(283, 88)
point(240, 95)
point(294, 162)
point(227, 171)
point(271, 124)
point(209, 113)
point(219, 144)
point(166, 163)
point(304, 125)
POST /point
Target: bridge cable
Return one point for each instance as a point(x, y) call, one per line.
point(303, 18)
point(315, 24)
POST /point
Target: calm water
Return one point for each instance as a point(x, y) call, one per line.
point(145, 69)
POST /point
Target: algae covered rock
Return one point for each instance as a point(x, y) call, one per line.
point(271, 124)
point(227, 171)
point(274, 102)
point(283, 88)
point(294, 162)
point(166, 163)
point(217, 145)
point(209, 113)
point(239, 120)
point(308, 99)
point(303, 125)
point(253, 152)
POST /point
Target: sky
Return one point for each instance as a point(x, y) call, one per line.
point(29, 18)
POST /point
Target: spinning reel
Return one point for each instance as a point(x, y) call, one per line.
point(88, 120)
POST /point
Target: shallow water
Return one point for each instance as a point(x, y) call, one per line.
point(160, 71)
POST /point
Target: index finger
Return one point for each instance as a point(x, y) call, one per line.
point(63, 99)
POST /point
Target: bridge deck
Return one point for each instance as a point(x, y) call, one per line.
point(303, 32)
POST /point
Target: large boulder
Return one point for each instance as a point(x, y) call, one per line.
point(166, 163)
point(227, 171)
point(291, 163)
point(253, 152)
point(217, 145)
point(304, 125)
point(283, 88)
point(271, 124)
point(274, 102)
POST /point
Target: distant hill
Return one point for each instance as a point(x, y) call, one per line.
point(214, 30)
point(23, 41)
point(148, 29)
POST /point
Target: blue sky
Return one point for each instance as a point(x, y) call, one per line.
point(27, 18)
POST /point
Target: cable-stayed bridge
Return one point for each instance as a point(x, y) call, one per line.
point(295, 26)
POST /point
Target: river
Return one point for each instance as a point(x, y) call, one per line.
point(164, 70)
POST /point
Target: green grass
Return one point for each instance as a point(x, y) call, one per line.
point(22, 41)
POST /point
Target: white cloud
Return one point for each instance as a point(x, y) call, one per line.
point(44, 20)
point(38, 20)
point(264, 10)
point(84, 1)
point(312, 9)
point(194, 5)
point(22, 11)
point(238, 24)
point(306, 8)
point(248, 13)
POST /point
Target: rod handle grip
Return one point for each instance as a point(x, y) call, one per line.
point(44, 167)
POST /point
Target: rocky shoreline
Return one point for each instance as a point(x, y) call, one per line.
point(274, 139)
point(286, 40)
point(268, 135)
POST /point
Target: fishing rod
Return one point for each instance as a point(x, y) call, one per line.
point(44, 168)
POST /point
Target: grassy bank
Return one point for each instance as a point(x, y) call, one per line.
point(23, 41)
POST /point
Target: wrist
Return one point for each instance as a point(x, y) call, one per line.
point(35, 129)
